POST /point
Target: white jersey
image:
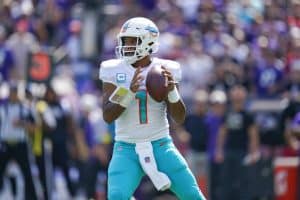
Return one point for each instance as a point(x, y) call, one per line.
point(144, 119)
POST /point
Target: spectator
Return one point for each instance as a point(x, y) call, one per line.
point(98, 142)
point(214, 119)
point(237, 146)
point(22, 43)
point(295, 130)
point(198, 69)
point(60, 136)
point(268, 75)
point(196, 126)
point(292, 86)
point(16, 122)
point(7, 58)
point(294, 16)
point(40, 144)
point(227, 74)
point(288, 114)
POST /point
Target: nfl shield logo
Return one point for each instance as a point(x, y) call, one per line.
point(147, 159)
point(121, 77)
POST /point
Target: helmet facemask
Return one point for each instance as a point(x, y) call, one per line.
point(130, 53)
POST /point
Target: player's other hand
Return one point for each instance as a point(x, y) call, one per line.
point(219, 157)
point(294, 144)
point(137, 80)
point(169, 79)
point(251, 158)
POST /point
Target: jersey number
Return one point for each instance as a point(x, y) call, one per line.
point(141, 96)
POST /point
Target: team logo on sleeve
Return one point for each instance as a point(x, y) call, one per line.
point(153, 31)
point(121, 77)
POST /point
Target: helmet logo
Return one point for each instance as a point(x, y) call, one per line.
point(153, 31)
point(125, 27)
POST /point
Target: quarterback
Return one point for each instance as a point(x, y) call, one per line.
point(143, 145)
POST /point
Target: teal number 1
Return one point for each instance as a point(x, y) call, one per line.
point(142, 98)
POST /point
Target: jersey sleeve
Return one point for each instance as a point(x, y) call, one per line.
point(105, 73)
point(175, 69)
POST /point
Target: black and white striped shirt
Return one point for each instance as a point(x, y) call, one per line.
point(9, 113)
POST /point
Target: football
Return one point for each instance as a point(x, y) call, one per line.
point(156, 84)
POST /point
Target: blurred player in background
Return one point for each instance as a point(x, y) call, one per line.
point(60, 134)
point(16, 122)
point(143, 143)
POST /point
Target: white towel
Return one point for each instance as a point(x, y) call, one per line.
point(145, 152)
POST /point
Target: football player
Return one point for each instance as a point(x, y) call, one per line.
point(143, 145)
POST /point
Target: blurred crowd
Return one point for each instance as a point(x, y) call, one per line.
point(240, 64)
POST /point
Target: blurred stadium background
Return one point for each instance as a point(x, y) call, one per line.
point(219, 44)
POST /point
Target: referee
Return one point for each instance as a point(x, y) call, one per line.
point(15, 121)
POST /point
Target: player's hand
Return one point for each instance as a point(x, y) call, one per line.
point(169, 79)
point(295, 144)
point(137, 80)
point(219, 157)
point(252, 158)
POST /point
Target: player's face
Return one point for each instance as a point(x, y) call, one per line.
point(129, 44)
point(200, 107)
point(218, 108)
point(237, 97)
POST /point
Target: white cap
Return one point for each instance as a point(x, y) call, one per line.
point(217, 96)
point(201, 96)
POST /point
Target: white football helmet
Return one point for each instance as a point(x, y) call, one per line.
point(146, 33)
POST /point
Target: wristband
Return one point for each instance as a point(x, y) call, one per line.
point(122, 96)
point(173, 95)
point(127, 99)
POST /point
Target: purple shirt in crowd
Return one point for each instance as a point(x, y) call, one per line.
point(265, 78)
point(213, 122)
point(6, 62)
